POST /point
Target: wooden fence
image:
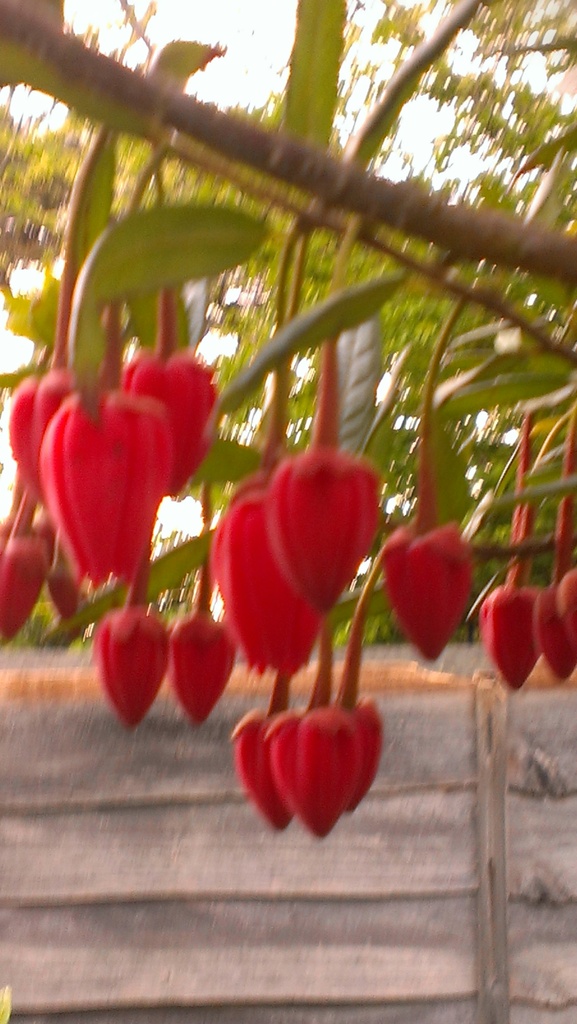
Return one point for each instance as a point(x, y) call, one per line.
point(136, 884)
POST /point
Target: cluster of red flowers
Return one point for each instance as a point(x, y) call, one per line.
point(282, 554)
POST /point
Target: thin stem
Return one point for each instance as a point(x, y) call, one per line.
point(24, 516)
point(138, 591)
point(166, 331)
point(349, 687)
point(111, 369)
point(288, 298)
point(427, 512)
point(204, 582)
point(321, 694)
point(148, 174)
point(327, 418)
point(523, 514)
point(280, 695)
point(71, 247)
point(566, 510)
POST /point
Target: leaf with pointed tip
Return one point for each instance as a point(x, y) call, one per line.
point(312, 90)
point(151, 249)
point(360, 369)
point(180, 59)
point(309, 330)
point(534, 495)
point(504, 391)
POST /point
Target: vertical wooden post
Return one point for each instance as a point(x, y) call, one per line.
point(491, 727)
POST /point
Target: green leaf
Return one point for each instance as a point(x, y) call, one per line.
point(151, 249)
point(227, 462)
point(9, 381)
point(534, 495)
point(42, 73)
point(180, 59)
point(372, 441)
point(309, 330)
point(506, 391)
point(166, 573)
point(43, 312)
point(97, 196)
point(450, 467)
point(544, 155)
point(344, 610)
point(312, 89)
point(5, 1005)
point(34, 316)
point(360, 369)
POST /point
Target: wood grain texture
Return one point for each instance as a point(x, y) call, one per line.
point(492, 903)
point(543, 849)
point(415, 843)
point(542, 742)
point(79, 754)
point(455, 1012)
point(543, 945)
point(270, 951)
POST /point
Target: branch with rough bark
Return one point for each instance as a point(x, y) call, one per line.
point(468, 234)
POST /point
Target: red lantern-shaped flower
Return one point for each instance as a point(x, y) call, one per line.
point(103, 481)
point(131, 651)
point(251, 740)
point(201, 657)
point(185, 386)
point(34, 403)
point(273, 626)
point(316, 760)
point(552, 635)
point(428, 580)
point(23, 569)
point(506, 623)
point(322, 516)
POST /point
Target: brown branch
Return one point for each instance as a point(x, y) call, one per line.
point(523, 549)
point(467, 233)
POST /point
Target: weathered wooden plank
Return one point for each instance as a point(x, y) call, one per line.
point(542, 849)
point(492, 902)
point(543, 741)
point(210, 924)
point(520, 1015)
point(455, 1012)
point(77, 752)
point(238, 952)
point(543, 955)
point(415, 843)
